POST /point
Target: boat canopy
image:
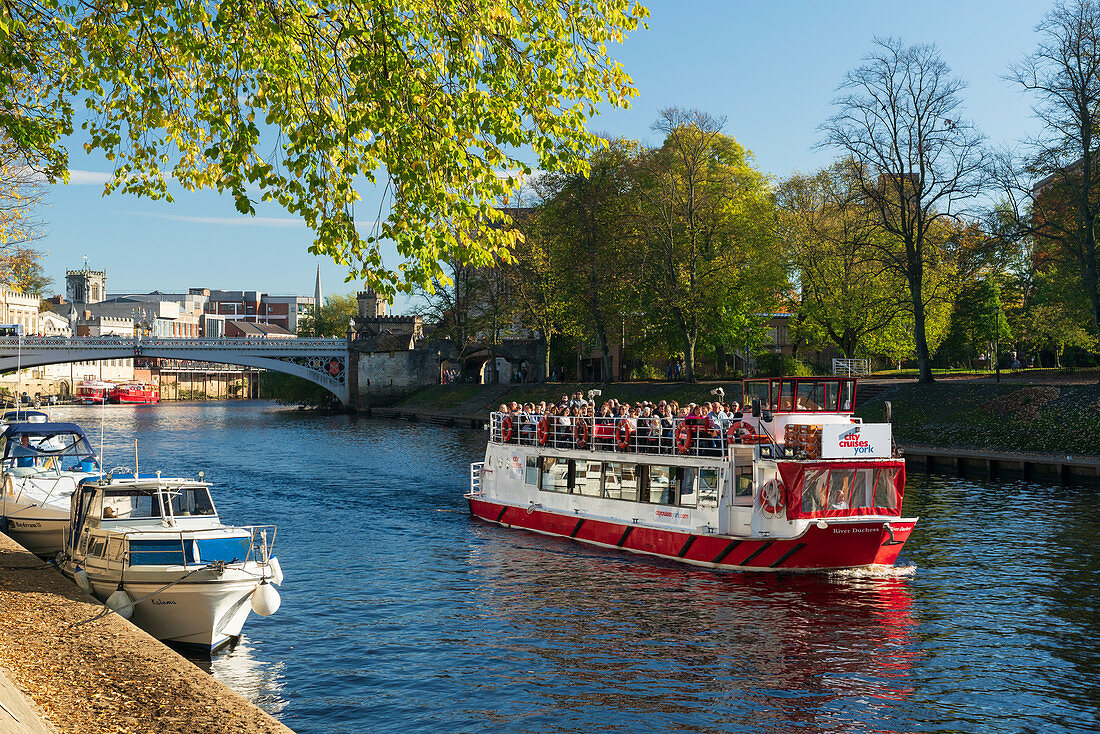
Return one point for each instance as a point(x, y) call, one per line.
point(803, 394)
point(27, 442)
point(24, 416)
point(842, 489)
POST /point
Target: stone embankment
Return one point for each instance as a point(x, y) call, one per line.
point(102, 676)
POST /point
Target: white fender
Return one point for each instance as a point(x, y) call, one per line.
point(276, 570)
point(265, 599)
point(82, 581)
point(121, 603)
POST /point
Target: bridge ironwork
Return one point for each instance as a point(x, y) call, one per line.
point(321, 361)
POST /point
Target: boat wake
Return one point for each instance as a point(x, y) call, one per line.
point(874, 571)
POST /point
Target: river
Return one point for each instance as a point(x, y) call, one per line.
point(401, 614)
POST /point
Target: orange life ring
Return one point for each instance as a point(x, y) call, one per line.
point(622, 434)
point(506, 428)
point(740, 432)
point(544, 430)
point(580, 433)
point(771, 496)
point(684, 436)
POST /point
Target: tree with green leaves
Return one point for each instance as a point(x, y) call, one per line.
point(303, 104)
point(979, 324)
point(332, 318)
point(587, 218)
point(707, 219)
point(898, 121)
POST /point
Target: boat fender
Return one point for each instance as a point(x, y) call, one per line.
point(265, 599)
point(81, 578)
point(276, 570)
point(121, 603)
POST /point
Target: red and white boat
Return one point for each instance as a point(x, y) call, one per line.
point(93, 392)
point(141, 393)
point(804, 487)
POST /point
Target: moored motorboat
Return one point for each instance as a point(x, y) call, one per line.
point(155, 550)
point(808, 487)
point(40, 467)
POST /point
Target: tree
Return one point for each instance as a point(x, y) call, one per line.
point(898, 122)
point(708, 221)
point(1053, 189)
point(978, 322)
point(588, 218)
point(332, 318)
point(301, 104)
point(848, 298)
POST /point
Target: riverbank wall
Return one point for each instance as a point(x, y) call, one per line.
point(105, 675)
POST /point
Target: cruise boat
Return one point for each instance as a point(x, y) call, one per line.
point(93, 392)
point(796, 484)
point(41, 465)
point(139, 393)
point(155, 550)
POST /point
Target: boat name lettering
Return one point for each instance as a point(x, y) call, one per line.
point(162, 602)
point(21, 524)
point(855, 530)
point(852, 440)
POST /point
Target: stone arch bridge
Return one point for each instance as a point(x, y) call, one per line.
point(321, 361)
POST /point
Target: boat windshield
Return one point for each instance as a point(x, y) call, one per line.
point(136, 503)
point(55, 449)
point(803, 394)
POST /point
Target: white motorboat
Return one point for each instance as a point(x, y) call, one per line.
point(40, 467)
point(155, 550)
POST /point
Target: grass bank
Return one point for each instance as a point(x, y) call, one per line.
point(1050, 419)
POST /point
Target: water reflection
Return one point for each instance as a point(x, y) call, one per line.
point(238, 666)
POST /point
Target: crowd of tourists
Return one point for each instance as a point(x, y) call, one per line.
point(644, 426)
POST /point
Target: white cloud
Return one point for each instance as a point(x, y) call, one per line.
point(241, 221)
point(88, 178)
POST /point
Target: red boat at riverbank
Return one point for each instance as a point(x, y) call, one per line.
point(138, 393)
point(804, 487)
point(93, 392)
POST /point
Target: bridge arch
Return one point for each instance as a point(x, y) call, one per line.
point(323, 362)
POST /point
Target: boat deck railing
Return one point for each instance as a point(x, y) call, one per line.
point(261, 545)
point(700, 437)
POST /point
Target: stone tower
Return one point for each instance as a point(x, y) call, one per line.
point(370, 305)
point(86, 286)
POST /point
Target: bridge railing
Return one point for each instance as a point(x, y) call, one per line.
point(119, 342)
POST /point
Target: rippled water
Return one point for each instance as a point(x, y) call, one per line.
point(402, 614)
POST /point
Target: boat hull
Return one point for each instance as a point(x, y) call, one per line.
point(839, 545)
point(40, 534)
point(202, 611)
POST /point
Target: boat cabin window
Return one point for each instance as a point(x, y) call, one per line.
point(555, 475)
point(587, 475)
point(824, 490)
point(757, 390)
point(191, 501)
point(532, 474)
point(708, 488)
point(672, 485)
point(620, 481)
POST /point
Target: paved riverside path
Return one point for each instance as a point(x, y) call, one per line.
point(104, 676)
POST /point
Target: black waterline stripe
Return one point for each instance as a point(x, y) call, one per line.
point(687, 546)
point(757, 552)
point(624, 536)
point(576, 529)
point(502, 511)
point(788, 554)
point(726, 551)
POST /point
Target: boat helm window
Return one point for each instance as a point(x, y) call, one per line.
point(143, 504)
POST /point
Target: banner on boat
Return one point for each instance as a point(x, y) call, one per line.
point(855, 441)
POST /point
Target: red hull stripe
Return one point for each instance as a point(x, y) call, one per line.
point(687, 547)
point(625, 535)
point(726, 551)
point(502, 511)
point(755, 553)
point(576, 528)
point(788, 554)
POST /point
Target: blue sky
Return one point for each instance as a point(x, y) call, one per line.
point(770, 68)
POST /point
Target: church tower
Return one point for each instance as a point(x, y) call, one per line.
point(86, 286)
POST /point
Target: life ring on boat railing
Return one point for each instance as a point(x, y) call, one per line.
point(506, 429)
point(543, 430)
point(622, 434)
point(771, 497)
point(740, 432)
point(684, 437)
point(580, 433)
